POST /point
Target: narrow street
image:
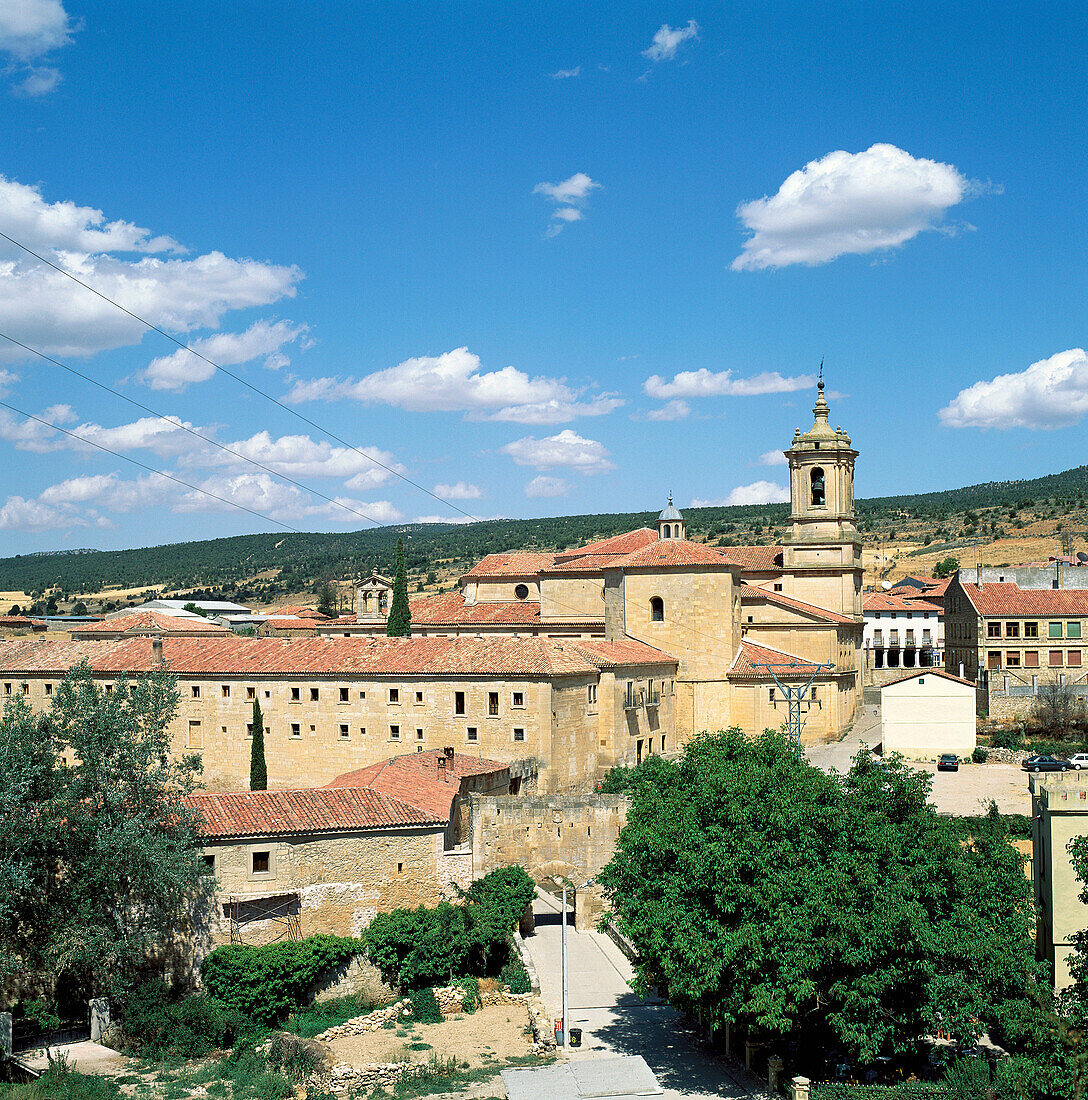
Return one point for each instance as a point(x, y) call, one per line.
point(614, 1020)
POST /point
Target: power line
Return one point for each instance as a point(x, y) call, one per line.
point(237, 378)
point(192, 431)
point(151, 469)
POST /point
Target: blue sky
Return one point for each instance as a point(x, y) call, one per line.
point(538, 258)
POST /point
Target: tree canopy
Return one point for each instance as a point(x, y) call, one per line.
point(258, 770)
point(399, 622)
point(842, 910)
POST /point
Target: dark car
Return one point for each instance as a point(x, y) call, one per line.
point(1045, 764)
point(948, 762)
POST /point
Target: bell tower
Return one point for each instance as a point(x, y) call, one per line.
point(823, 548)
point(670, 524)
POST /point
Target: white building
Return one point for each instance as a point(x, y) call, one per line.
point(901, 633)
point(926, 713)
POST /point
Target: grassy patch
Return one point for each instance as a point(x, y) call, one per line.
point(321, 1015)
point(61, 1083)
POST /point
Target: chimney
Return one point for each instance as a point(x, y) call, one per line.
point(157, 660)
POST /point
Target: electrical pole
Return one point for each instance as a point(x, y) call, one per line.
point(565, 1022)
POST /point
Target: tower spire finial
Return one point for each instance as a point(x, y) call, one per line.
point(820, 383)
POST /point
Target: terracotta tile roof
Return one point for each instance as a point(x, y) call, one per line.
point(148, 622)
point(19, 621)
point(929, 672)
point(1011, 599)
point(320, 656)
point(673, 552)
point(755, 559)
point(450, 607)
point(624, 653)
point(295, 610)
point(626, 543)
point(509, 564)
point(284, 622)
point(752, 592)
point(270, 813)
point(417, 780)
point(889, 601)
point(585, 563)
point(749, 655)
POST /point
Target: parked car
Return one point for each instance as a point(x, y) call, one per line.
point(948, 762)
point(1046, 764)
point(1079, 760)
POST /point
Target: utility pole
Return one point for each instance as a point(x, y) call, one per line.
point(565, 1019)
point(796, 695)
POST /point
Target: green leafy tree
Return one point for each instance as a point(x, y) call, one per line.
point(80, 608)
point(326, 596)
point(838, 910)
point(946, 567)
point(101, 852)
point(399, 622)
point(258, 771)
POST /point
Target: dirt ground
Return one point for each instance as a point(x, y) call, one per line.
point(490, 1034)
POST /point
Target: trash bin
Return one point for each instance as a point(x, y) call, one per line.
point(575, 1036)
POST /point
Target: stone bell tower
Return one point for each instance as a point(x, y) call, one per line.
point(823, 549)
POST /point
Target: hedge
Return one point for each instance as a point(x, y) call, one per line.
point(908, 1090)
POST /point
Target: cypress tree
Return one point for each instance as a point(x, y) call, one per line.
point(258, 772)
point(399, 622)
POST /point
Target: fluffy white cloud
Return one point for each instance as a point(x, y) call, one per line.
point(705, 383)
point(566, 74)
point(40, 80)
point(848, 203)
point(30, 29)
point(463, 490)
point(455, 382)
point(263, 339)
point(544, 486)
point(668, 40)
point(671, 410)
point(773, 458)
point(759, 492)
point(1052, 393)
point(569, 195)
point(586, 456)
point(19, 514)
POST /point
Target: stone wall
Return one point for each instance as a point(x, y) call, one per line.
point(572, 837)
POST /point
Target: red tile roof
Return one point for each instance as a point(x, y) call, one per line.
point(320, 656)
point(626, 543)
point(148, 622)
point(1011, 599)
point(929, 672)
point(751, 593)
point(20, 621)
point(509, 564)
point(623, 653)
point(887, 601)
point(755, 559)
point(296, 610)
point(674, 552)
point(269, 813)
point(284, 622)
point(450, 607)
point(750, 655)
point(585, 563)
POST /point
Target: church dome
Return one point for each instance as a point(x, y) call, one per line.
point(669, 512)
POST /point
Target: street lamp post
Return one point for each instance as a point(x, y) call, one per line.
point(566, 1021)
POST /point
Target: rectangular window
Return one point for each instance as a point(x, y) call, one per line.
point(458, 702)
point(362, 694)
point(778, 588)
point(1072, 658)
point(394, 733)
point(592, 693)
point(519, 735)
point(1012, 630)
point(344, 732)
point(1072, 630)
point(48, 689)
point(419, 734)
point(226, 691)
point(419, 696)
point(109, 689)
point(295, 695)
point(993, 630)
point(993, 658)
point(1056, 658)
point(261, 863)
point(1031, 630)
point(249, 729)
point(1012, 659)
point(472, 733)
point(770, 695)
point(343, 695)
point(315, 695)
point(492, 704)
point(1031, 658)
point(1054, 630)
point(296, 729)
point(251, 694)
point(394, 695)
point(517, 699)
point(196, 735)
point(196, 691)
point(209, 864)
point(7, 689)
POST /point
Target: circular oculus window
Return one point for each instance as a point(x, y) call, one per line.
point(521, 591)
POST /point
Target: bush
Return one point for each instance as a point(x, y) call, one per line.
point(1012, 738)
point(514, 975)
point(296, 1057)
point(979, 754)
point(266, 983)
point(159, 1024)
point(61, 1083)
point(321, 1015)
point(425, 1008)
point(472, 999)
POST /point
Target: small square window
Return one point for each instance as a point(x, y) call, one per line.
point(1056, 658)
point(362, 731)
point(261, 863)
point(268, 695)
point(344, 732)
point(343, 695)
point(1072, 630)
point(362, 694)
point(472, 734)
point(394, 733)
point(196, 691)
point(1072, 658)
point(518, 699)
point(226, 691)
point(394, 695)
point(295, 696)
point(1012, 630)
point(1012, 659)
point(48, 689)
point(315, 695)
point(778, 588)
point(519, 734)
point(249, 729)
point(1031, 630)
point(993, 630)
point(1031, 658)
point(26, 689)
point(7, 689)
point(1054, 630)
point(251, 694)
point(296, 729)
point(209, 864)
point(419, 696)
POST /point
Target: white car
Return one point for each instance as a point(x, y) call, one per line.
point(1079, 760)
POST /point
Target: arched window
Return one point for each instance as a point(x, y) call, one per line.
point(676, 531)
point(657, 610)
point(666, 531)
point(819, 497)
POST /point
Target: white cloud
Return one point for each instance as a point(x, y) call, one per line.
point(1052, 393)
point(569, 195)
point(544, 486)
point(668, 40)
point(461, 491)
point(759, 492)
point(7, 380)
point(30, 29)
point(566, 74)
point(455, 382)
point(671, 410)
point(18, 514)
point(263, 339)
point(40, 80)
point(848, 203)
point(586, 456)
point(773, 458)
point(705, 383)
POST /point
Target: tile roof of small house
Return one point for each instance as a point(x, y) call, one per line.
point(509, 564)
point(755, 559)
point(292, 622)
point(928, 672)
point(750, 593)
point(294, 611)
point(1011, 599)
point(148, 622)
point(750, 655)
point(315, 810)
point(20, 621)
point(889, 601)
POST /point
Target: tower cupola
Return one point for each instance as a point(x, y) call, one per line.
point(670, 524)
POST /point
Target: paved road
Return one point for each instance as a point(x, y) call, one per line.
point(87, 1057)
point(968, 791)
point(614, 1020)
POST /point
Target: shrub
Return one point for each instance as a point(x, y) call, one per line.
point(514, 975)
point(59, 1082)
point(321, 1015)
point(296, 1057)
point(419, 947)
point(158, 1024)
point(266, 983)
point(979, 754)
point(472, 999)
point(1011, 738)
point(425, 1008)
